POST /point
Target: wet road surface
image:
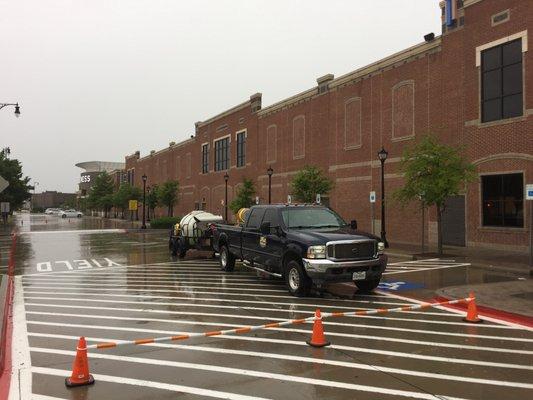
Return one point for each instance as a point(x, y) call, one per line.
point(110, 285)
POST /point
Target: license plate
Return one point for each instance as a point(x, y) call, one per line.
point(359, 276)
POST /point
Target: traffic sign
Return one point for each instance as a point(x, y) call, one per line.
point(529, 191)
point(3, 184)
point(132, 205)
point(372, 197)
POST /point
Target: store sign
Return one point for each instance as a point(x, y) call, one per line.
point(85, 178)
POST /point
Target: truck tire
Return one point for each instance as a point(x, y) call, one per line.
point(227, 260)
point(296, 279)
point(367, 286)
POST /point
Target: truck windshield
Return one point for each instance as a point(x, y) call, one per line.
point(311, 218)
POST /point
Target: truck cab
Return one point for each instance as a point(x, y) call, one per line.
point(305, 245)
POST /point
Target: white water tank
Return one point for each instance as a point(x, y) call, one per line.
point(195, 223)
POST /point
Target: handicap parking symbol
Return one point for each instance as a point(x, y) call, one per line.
point(399, 286)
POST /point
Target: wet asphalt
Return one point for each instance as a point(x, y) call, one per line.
point(90, 278)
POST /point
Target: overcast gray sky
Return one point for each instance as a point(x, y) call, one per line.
point(99, 79)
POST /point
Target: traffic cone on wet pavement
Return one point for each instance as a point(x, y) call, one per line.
point(471, 314)
point(80, 368)
point(318, 339)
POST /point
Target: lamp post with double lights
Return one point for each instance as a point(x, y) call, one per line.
point(144, 178)
point(270, 171)
point(382, 155)
point(226, 178)
point(16, 105)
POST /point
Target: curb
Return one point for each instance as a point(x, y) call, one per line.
point(507, 316)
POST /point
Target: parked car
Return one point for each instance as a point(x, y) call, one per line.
point(70, 214)
point(192, 232)
point(303, 244)
point(52, 211)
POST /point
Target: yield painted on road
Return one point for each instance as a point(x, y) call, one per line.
point(416, 354)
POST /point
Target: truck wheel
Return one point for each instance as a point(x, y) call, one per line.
point(227, 260)
point(367, 286)
point(297, 281)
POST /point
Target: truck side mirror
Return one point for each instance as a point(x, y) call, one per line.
point(265, 228)
point(353, 224)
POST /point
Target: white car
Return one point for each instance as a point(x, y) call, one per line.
point(52, 211)
point(70, 214)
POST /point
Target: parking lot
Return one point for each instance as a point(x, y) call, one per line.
point(116, 286)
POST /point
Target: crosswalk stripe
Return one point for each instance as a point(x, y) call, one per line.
point(248, 372)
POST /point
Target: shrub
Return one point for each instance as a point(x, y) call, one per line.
point(164, 222)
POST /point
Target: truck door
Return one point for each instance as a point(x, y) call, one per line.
point(251, 234)
point(271, 245)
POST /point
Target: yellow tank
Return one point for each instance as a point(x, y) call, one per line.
point(177, 229)
point(241, 214)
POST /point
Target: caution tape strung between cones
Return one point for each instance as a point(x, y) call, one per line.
point(247, 329)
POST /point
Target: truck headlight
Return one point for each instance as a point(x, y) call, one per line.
point(316, 252)
point(381, 247)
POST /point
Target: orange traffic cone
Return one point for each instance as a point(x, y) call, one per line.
point(80, 368)
point(471, 314)
point(318, 339)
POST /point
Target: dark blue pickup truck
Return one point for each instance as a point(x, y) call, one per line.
point(304, 244)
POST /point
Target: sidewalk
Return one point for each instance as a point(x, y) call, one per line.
point(510, 299)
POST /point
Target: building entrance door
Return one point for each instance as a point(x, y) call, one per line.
point(453, 222)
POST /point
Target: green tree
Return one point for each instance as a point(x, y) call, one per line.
point(152, 200)
point(433, 172)
point(310, 181)
point(121, 197)
point(19, 188)
point(101, 193)
point(167, 195)
point(245, 196)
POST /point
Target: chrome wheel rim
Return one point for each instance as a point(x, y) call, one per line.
point(223, 258)
point(294, 279)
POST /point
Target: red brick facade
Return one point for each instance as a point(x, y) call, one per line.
point(342, 123)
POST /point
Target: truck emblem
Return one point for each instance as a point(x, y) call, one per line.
point(355, 250)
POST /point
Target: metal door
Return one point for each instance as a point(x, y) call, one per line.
point(453, 222)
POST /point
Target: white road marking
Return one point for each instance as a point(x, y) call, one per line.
point(151, 384)
point(80, 231)
point(248, 372)
point(369, 337)
point(373, 351)
point(21, 379)
point(43, 397)
point(424, 269)
point(312, 360)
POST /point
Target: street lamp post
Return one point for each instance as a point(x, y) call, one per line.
point(144, 178)
point(16, 105)
point(382, 155)
point(226, 177)
point(270, 171)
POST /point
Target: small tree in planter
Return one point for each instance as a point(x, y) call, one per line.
point(245, 196)
point(152, 200)
point(433, 172)
point(167, 194)
point(310, 181)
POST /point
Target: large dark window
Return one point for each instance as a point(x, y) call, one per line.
point(241, 149)
point(205, 158)
point(503, 200)
point(501, 94)
point(222, 154)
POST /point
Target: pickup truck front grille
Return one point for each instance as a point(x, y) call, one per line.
point(352, 250)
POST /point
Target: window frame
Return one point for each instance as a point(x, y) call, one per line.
point(482, 200)
point(205, 158)
point(241, 148)
point(222, 164)
point(500, 70)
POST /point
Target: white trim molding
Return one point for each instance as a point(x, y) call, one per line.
point(522, 35)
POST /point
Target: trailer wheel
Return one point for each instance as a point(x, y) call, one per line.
point(178, 248)
point(227, 260)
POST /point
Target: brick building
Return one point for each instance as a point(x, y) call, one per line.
point(468, 86)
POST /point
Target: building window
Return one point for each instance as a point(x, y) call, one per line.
point(205, 158)
point(222, 154)
point(503, 200)
point(501, 87)
point(241, 149)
